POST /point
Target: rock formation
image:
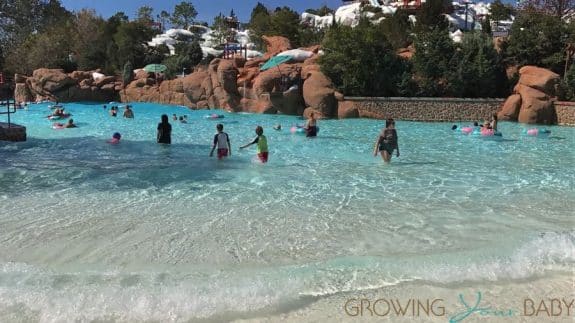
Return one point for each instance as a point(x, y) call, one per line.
point(231, 84)
point(532, 98)
point(54, 84)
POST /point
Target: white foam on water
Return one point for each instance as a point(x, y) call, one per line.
point(56, 295)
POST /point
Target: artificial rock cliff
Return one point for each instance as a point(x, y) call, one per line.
point(232, 84)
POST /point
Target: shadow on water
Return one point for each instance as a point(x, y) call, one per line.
point(91, 162)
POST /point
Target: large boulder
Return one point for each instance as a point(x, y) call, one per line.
point(539, 78)
point(192, 85)
point(346, 110)
point(275, 45)
point(228, 76)
point(22, 93)
point(318, 94)
point(536, 107)
point(290, 103)
point(104, 80)
point(52, 80)
point(510, 109)
point(534, 95)
point(79, 76)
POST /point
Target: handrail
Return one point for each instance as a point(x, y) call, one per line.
point(8, 112)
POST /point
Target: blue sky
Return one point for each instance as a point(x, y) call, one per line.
point(207, 9)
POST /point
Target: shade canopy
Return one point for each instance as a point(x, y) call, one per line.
point(275, 61)
point(155, 68)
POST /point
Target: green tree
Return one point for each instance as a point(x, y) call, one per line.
point(432, 60)
point(322, 11)
point(499, 11)
point(568, 84)
point(187, 56)
point(130, 40)
point(285, 22)
point(397, 29)
point(259, 25)
point(88, 30)
point(145, 14)
point(184, 14)
point(360, 60)
point(537, 39)
point(431, 16)
point(163, 18)
point(220, 29)
point(128, 73)
point(478, 72)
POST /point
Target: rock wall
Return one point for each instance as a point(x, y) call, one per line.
point(565, 112)
point(419, 109)
point(55, 85)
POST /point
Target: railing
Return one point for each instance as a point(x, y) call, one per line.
point(7, 97)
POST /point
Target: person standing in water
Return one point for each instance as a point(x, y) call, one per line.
point(311, 126)
point(262, 143)
point(387, 141)
point(222, 141)
point(164, 131)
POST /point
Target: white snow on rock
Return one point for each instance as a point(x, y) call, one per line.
point(97, 75)
point(298, 55)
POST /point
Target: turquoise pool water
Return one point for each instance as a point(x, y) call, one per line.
point(138, 231)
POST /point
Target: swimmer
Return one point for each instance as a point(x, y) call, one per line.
point(454, 127)
point(262, 143)
point(311, 126)
point(222, 141)
point(182, 120)
point(387, 141)
point(128, 113)
point(70, 124)
point(278, 127)
point(174, 117)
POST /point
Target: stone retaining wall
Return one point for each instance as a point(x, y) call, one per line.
point(12, 133)
point(424, 109)
point(565, 113)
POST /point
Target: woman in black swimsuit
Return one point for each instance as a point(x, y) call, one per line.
point(387, 141)
point(164, 131)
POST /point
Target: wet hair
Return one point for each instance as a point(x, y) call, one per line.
point(70, 121)
point(259, 130)
point(454, 127)
point(476, 124)
point(220, 127)
point(165, 118)
point(389, 122)
point(181, 118)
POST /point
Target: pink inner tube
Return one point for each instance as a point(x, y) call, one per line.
point(58, 126)
point(466, 130)
point(533, 132)
point(487, 132)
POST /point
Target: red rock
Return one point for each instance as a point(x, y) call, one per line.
point(318, 94)
point(347, 109)
point(22, 93)
point(79, 76)
point(256, 62)
point(510, 109)
point(275, 45)
point(539, 78)
point(19, 78)
point(104, 80)
point(228, 76)
point(192, 85)
point(314, 48)
point(141, 74)
point(52, 80)
point(338, 96)
point(316, 113)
